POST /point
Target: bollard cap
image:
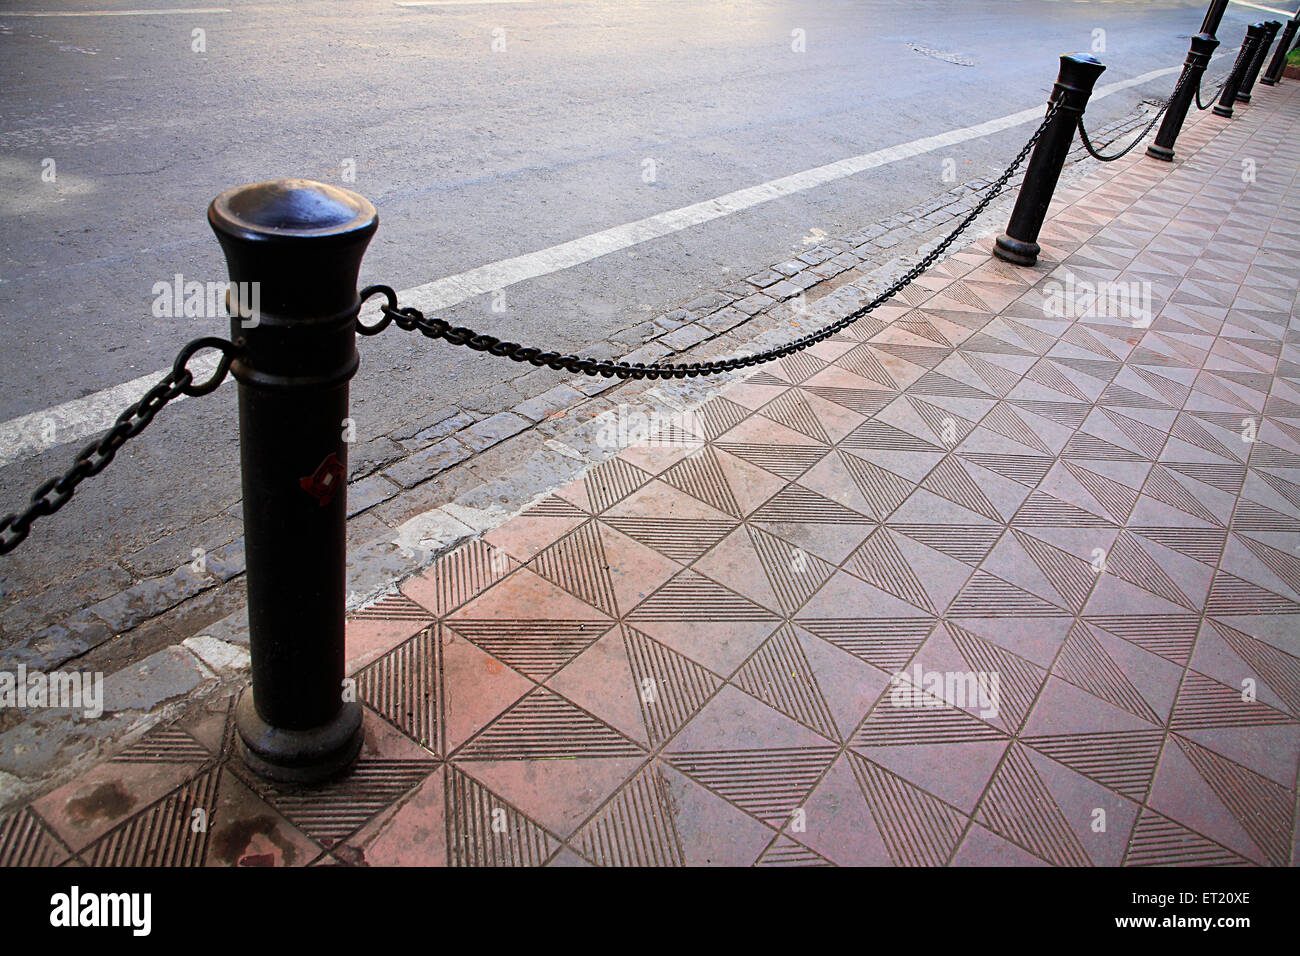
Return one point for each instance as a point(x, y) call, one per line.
point(298, 242)
point(1079, 71)
point(283, 208)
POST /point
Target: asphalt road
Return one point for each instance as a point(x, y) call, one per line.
point(472, 155)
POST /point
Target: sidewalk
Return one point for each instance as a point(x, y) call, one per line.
point(686, 656)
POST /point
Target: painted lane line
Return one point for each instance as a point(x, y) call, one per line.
point(29, 435)
point(453, 3)
point(443, 293)
point(112, 13)
point(1256, 6)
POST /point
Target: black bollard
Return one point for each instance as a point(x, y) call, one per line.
point(1213, 17)
point(1254, 34)
point(302, 243)
point(1198, 58)
point(1278, 66)
point(1073, 86)
point(1257, 61)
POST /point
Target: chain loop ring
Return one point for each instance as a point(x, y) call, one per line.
point(54, 493)
point(389, 306)
point(182, 376)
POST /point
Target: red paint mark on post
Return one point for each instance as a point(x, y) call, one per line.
point(325, 481)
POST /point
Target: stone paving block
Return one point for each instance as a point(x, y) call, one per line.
point(440, 429)
point(33, 613)
point(170, 673)
point(368, 456)
point(684, 337)
point(549, 402)
point(737, 290)
point(231, 629)
point(176, 549)
point(783, 290)
point(764, 279)
point(51, 646)
point(653, 351)
point(675, 319)
point(590, 386)
point(147, 599)
point(425, 464)
point(369, 492)
point(754, 303)
point(424, 422)
point(227, 561)
point(709, 302)
point(724, 320)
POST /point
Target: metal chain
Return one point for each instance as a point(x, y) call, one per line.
point(94, 458)
point(1236, 64)
point(411, 319)
point(1092, 150)
point(1213, 97)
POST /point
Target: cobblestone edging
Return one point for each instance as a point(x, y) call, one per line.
point(428, 486)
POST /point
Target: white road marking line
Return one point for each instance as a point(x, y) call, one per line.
point(1256, 6)
point(443, 293)
point(452, 3)
point(111, 13)
point(27, 436)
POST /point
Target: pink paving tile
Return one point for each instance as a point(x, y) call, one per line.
point(835, 821)
point(412, 834)
point(604, 681)
point(982, 847)
point(680, 823)
point(113, 792)
point(246, 831)
point(458, 576)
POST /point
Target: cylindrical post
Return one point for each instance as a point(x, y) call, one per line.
point(1213, 17)
point(1254, 34)
point(1257, 61)
point(296, 245)
point(1074, 82)
point(1181, 100)
point(1276, 68)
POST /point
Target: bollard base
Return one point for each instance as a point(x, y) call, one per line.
point(1161, 153)
point(1267, 82)
point(1224, 111)
point(1015, 251)
point(1243, 97)
point(298, 756)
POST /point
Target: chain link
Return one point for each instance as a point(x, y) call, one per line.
point(53, 494)
point(1092, 150)
point(411, 319)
